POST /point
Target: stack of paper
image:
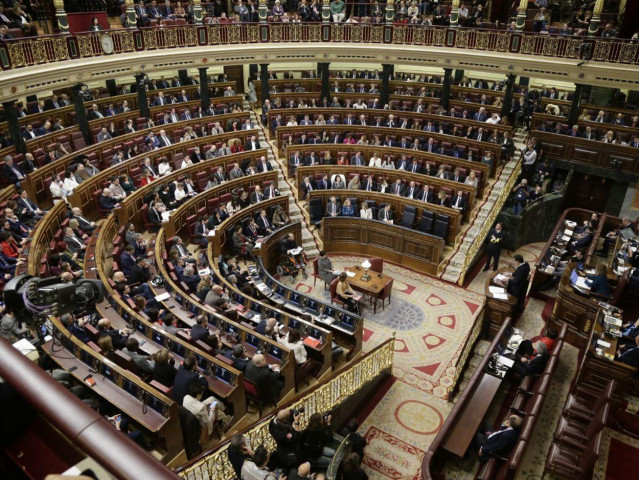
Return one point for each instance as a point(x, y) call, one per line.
point(493, 289)
point(500, 296)
point(501, 278)
point(350, 274)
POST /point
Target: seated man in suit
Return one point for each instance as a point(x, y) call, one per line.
point(459, 202)
point(106, 201)
point(266, 377)
point(252, 143)
point(630, 355)
point(333, 207)
point(501, 442)
point(385, 214)
point(239, 357)
point(264, 226)
point(75, 327)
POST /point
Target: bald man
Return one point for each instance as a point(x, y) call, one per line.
point(286, 430)
point(266, 377)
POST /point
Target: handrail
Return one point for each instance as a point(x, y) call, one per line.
point(19, 53)
point(450, 421)
point(322, 397)
point(488, 222)
point(85, 428)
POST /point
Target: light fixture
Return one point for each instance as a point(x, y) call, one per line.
point(366, 264)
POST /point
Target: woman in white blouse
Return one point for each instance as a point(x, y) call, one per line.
point(375, 161)
point(186, 162)
point(366, 212)
point(70, 183)
point(291, 121)
point(179, 193)
point(320, 120)
point(304, 365)
point(388, 164)
point(164, 168)
point(472, 179)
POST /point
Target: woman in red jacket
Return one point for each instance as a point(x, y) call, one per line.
point(9, 246)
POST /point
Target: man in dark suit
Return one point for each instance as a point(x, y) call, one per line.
point(308, 185)
point(426, 194)
point(12, 172)
point(185, 376)
point(140, 272)
point(630, 355)
point(501, 442)
point(238, 357)
point(493, 246)
point(369, 185)
point(196, 156)
point(28, 209)
point(398, 188)
point(264, 226)
point(518, 283)
point(411, 191)
point(252, 143)
point(267, 379)
point(106, 201)
point(287, 433)
point(385, 214)
point(200, 330)
point(128, 260)
point(154, 217)
point(459, 202)
point(263, 165)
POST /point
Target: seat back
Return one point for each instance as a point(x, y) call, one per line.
point(426, 223)
point(409, 215)
point(333, 288)
point(377, 264)
point(251, 389)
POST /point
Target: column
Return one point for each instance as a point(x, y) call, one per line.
point(508, 95)
point(197, 12)
point(573, 116)
point(262, 11)
point(14, 126)
point(131, 22)
point(142, 103)
point(521, 16)
point(448, 80)
point(326, 11)
point(326, 84)
point(205, 99)
point(387, 72)
point(81, 114)
point(61, 16)
point(389, 13)
point(454, 14)
point(264, 81)
point(593, 28)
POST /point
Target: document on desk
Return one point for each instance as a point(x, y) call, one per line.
point(211, 233)
point(581, 283)
point(258, 245)
point(162, 297)
point(603, 344)
point(493, 289)
point(350, 274)
point(506, 361)
point(613, 320)
point(501, 278)
point(500, 296)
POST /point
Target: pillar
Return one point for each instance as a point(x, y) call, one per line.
point(326, 11)
point(205, 99)
point(521, 16)
point(593, 28)
point(131, 22)
point(387, 72)
point(326, 84)
point(81, 114)
point(454, 14)
point(573, 116)
point(264, 81)
point(389, 13)
point(262, 11)
point(142, 103)
point(508, 95)
point(61, 16)
point(448, 80)
point(11, 112)
point(197, 12)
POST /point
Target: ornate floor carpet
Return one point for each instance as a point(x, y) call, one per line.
point(431, 319)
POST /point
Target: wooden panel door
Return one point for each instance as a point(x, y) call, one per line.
point(236, 72)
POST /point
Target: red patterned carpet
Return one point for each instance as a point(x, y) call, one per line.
point(623, 460)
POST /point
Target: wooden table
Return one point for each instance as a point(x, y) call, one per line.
point(463, 432)
point(497, 311)
point(374, 287)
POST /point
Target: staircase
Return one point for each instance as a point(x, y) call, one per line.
point(478, 354)
point(295, 209)
point(453, 271)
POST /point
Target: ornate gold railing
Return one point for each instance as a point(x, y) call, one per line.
point(488, 222)
point(25, 52)
point(321, 398)
point(467, 349)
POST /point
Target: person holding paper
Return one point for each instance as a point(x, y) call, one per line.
point(345, 292)
point(518, 281)
point(493, 246)
point(598, 282)
point(289, 246)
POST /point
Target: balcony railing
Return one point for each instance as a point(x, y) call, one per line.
point(321, 398)
point(27, 52)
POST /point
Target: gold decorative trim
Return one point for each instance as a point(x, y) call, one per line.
point(60, 49)
point(126, 41)
point(233, 34)
point(419, 37)
point(628, 52)
point(214, 35)
point(295, 32)
point(190, 36)
point(16, 54)
point(528, 44)
point(602, 51)
point(314, 33)
point(439, 37)
point(550, 46)
point(462, 38)
point(170, 38)
point(84, 44)
point(357, 34)
point(503, 42)
point(482, 41)
point(150, 40)
point(276, 33)
point(399, 35)
point(253, 34)
point(337, 32)
point(377, 34)
point(572, 49)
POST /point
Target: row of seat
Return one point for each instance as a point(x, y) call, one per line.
point(577, 439)
point(528, 404)
point(432, 223)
